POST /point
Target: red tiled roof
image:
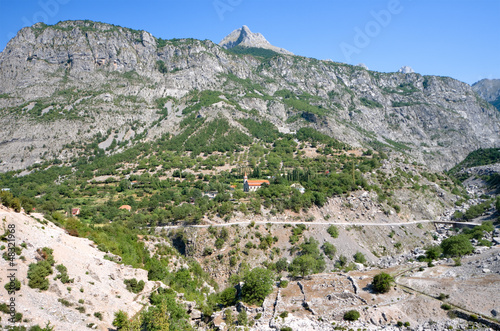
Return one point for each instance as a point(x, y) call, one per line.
point(257, 182)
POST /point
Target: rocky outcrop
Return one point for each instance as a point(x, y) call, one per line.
point(406, 70)
point(246, 38)
point(78, 80)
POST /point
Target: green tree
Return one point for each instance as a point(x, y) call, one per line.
point(156, 270)
point(133, 285)
point(303, 265)
point(157, 318)
point(359, 257)
point(382, 282)
point(258, 284)
point(310, 259)
point(458, 245)
point(227, 297)
point(282, 264)
point(433, 252)
point(351, 315)
point(121, 320)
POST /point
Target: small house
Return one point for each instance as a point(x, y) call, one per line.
point(253, 185)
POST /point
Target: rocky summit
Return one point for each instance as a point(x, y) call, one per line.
point(245, 38)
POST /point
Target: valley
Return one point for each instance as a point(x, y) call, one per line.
point(181, 185)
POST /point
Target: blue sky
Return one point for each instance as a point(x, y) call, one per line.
point(456, 38)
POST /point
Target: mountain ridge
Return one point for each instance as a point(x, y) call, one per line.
point(489, 90)
point(97, 78)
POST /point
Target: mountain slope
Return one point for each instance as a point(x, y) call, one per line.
point(97, 284)
point(489, 90)
point(82, 82)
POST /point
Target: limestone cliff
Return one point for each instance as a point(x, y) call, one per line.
point(72, 82)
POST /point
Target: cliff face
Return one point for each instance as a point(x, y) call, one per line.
point(67, 83)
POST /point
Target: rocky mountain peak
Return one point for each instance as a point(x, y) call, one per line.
point(406, 70)
point(246, 38)
point(488, 89)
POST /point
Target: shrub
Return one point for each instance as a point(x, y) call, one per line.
point(208, 251)
point(445, 306)
point(65, 302)
point(133, 285)
point(333, 231)
point(286, 328)
point(4, 308)
point(37, 274)
point(283, 283)
point(282, 264)
point(359, 257)
point(13, 285)
point(352, 315)
point(219, 243)
point(382, 282)
point(284, 314)
point(329, 250)
point(243, 317)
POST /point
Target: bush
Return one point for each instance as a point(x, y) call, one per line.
point(284, 314)
point(219, 243)
point(333, 231)
point(445, 306)
point(133, 285)
point(4, 308)
point(282, 264)
point(433, 252)
point(37, 274)
point(359, 258)
point(13, 285)
point(243, 317)
point(352, 315)
point(329, 250)
point(283, 283)
point(121, 320)
point(382, 282)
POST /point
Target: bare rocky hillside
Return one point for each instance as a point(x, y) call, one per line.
point(87, 82)
point(97, 286)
